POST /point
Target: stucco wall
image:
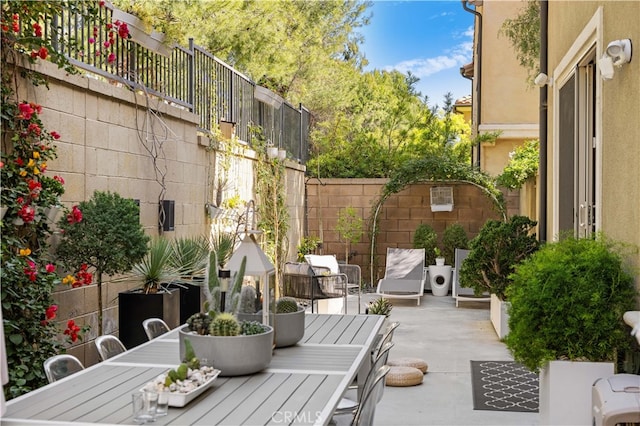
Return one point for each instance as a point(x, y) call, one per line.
point(619, 144)
point(107, 133)
point(399, 217)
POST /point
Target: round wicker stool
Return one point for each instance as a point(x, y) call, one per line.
point(418, 363)
point(403, 376)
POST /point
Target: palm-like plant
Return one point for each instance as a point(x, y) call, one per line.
point(155, 267)
point(223, 244)
point(189, 254)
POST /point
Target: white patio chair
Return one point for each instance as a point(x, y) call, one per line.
point(404, 275)
point(108, 346)
point(60, 366)
point(154, 327)
point(464, 294)
point(345, 273)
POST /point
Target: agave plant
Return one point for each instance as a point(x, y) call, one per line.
point(156, 268)
point(189, 254)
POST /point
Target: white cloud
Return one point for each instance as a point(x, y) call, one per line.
point(455, 57)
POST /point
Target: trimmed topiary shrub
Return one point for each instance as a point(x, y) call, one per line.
point(567, 302)
point(495, 252)
point(425, 237)
point(454, 237)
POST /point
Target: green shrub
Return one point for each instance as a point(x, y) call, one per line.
point(454, 237)
point(425, 237)
point(567, 302)
point(495, 252)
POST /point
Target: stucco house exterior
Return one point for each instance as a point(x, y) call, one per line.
point(592, 145)
point(503, 101)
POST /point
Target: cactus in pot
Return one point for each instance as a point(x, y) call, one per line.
point(225, 324)
point(286, 305)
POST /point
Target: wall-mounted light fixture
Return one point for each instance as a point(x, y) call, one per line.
point(617, 53)
point(543, 79)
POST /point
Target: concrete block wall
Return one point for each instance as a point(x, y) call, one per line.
point(113, 139)
point(398, 218)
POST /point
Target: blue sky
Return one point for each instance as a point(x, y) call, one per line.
point(430, 38)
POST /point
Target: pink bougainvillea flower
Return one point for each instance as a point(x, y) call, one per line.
point(31, 271)
point(50, 268)
point(72, 330)
point(59, 179)
point(75, 216)
point(55, 135)
point(92, 40)
point(27, 213)
point(101, 3)
point(34, 128)
point(34, 188)
point(19, 162)
point(37, 30)
point(26, 111)
point(123, 30)
point(51, 312)
point(111, 58)
point(43, 53)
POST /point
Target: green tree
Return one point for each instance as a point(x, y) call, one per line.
point(523, 32)
point(106, 235)
point(349, 228)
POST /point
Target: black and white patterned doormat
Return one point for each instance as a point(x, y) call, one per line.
point(503, 386)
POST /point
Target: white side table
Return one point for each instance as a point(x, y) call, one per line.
point(440, 279)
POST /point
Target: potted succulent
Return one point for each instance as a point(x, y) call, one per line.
point(288, 320)
point(154, 297)
point(566, 321)
point(380, 306)
point(234, 347)
point(494, 254)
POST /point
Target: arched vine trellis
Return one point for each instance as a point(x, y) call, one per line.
point(432, 169)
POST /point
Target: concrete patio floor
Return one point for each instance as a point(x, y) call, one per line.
point(447, 338)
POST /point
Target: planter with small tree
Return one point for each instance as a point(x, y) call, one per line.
point(494, 254)
point(109, 238)
point(566, 321)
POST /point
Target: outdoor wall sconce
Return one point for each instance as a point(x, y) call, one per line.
point(617, 53)
point(542, 79)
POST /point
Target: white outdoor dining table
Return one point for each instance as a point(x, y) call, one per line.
point(302, 385)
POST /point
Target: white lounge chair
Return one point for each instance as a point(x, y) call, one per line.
point(404, 275)
point(462, 294)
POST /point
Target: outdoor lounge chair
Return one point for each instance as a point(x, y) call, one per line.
point(464, 294)
point(328, 265)
point(404, 275)
point(301, 282)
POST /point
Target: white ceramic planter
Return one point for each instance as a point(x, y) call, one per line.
point(565, 391)
point(289, 327)
point(499, 316)
point(232, 355)
point(440, 279)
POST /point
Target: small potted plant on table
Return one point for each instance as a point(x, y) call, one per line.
point(234, 347)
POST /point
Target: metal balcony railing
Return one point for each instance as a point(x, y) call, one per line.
point(190, 78)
